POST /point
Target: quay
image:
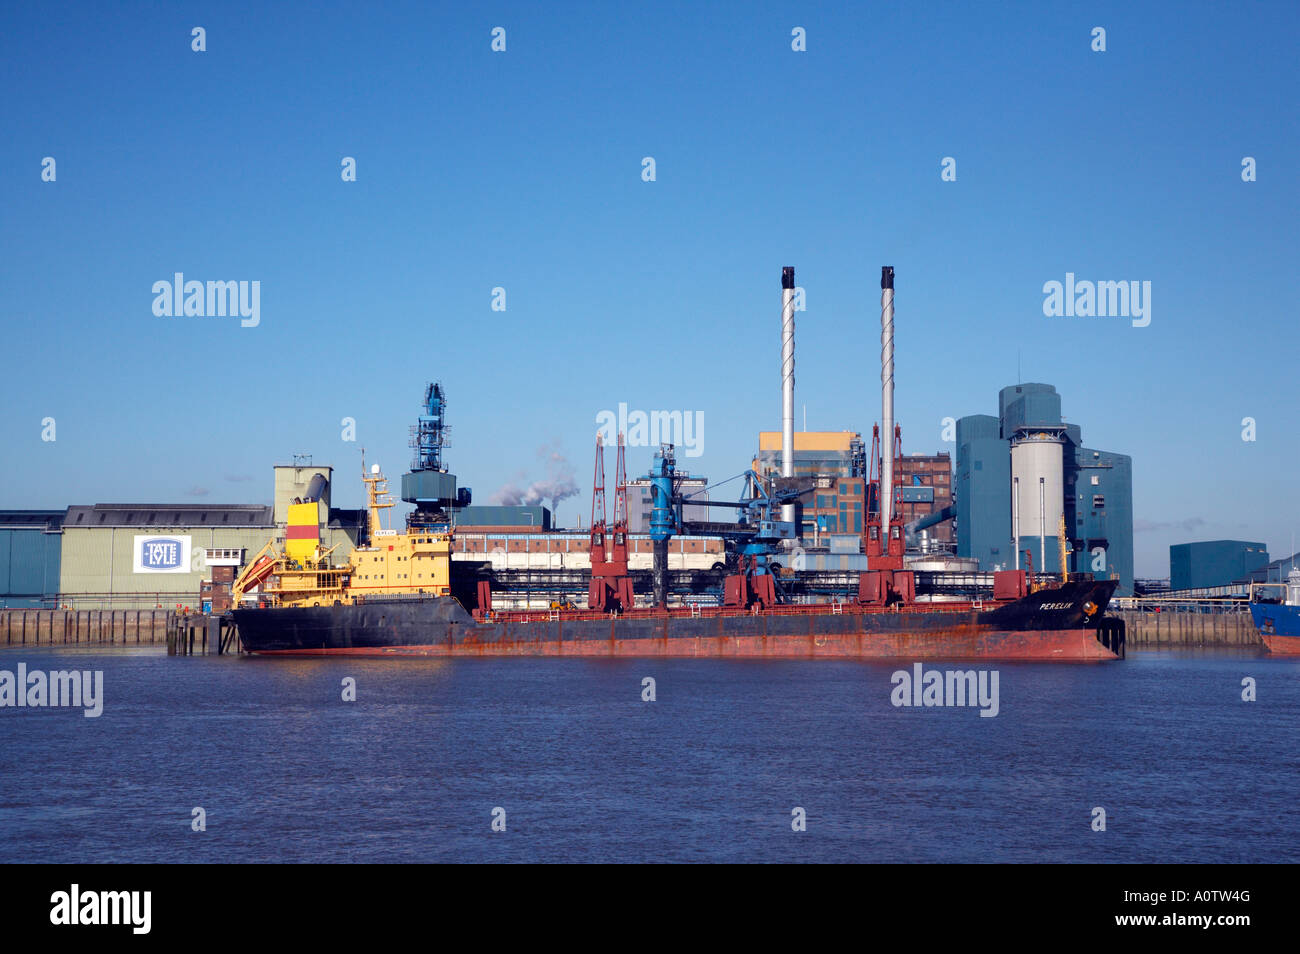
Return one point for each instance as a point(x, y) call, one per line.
point(185, 634)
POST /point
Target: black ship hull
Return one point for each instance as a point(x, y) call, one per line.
point(1065, 622)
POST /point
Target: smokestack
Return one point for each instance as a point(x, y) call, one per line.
point(787, 382)
point(887, 400)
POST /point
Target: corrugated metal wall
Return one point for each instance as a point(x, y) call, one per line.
point(29, 566)
point(98, 564)
point(982, 488)
point(1213, 562)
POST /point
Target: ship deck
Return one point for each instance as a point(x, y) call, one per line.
point(964, 607)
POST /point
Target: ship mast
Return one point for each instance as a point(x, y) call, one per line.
point(379, 498)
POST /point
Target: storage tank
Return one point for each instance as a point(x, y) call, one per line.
point(1038, 496)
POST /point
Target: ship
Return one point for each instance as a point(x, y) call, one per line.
point(1065, 622)
point(396, 597)
point(399, 593)
point(1275, 608)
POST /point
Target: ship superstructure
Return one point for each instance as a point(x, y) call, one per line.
point(414, 562)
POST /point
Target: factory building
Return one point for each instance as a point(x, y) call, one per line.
point(1213, 562)
point(147, 556)
point(30, 551)
point(815, 452)
point(505, 519)
point(834, 509)
point(1022, 473)
point(925, 486)
point(837, 462)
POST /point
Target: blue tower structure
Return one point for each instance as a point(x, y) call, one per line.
point(1022, 473)
point(429, 435)
point(428, 485)
point(665, 518)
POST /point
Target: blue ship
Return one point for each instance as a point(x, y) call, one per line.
point(1275, 608)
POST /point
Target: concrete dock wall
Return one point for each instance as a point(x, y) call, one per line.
point(1189, 627)
point(39, 627)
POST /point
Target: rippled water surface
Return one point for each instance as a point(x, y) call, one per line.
point(710, 771)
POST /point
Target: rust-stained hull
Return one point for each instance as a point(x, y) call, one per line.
point(1044, 646)
point(1279, 627)
point(1050, 625)
point(1281, 645)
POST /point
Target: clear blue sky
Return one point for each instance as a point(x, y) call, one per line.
point(522, 169)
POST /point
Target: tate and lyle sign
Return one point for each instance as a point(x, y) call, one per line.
point(162, 554)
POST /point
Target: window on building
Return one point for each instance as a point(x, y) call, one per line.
point(1095, 480)
point(1098, 501)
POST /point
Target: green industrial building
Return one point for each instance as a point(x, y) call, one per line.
point(148, 556)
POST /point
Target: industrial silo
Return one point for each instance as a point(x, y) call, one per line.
point(1037, 496)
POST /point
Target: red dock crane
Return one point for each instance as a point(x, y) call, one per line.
point(611, 587)
point(885, 581)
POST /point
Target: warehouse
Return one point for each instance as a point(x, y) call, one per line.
point(1213, 562)
point(148, 556)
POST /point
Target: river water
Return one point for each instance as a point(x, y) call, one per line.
point(712, 770)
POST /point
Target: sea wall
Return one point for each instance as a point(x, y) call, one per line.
point(52, 627)
point(1188, 626)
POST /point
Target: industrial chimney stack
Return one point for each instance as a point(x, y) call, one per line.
point(886, 400)
point(787, 382)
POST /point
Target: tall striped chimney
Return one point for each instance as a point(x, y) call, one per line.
point(787, 382)
point(886, 400)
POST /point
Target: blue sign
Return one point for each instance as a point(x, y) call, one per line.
point(162, 554)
